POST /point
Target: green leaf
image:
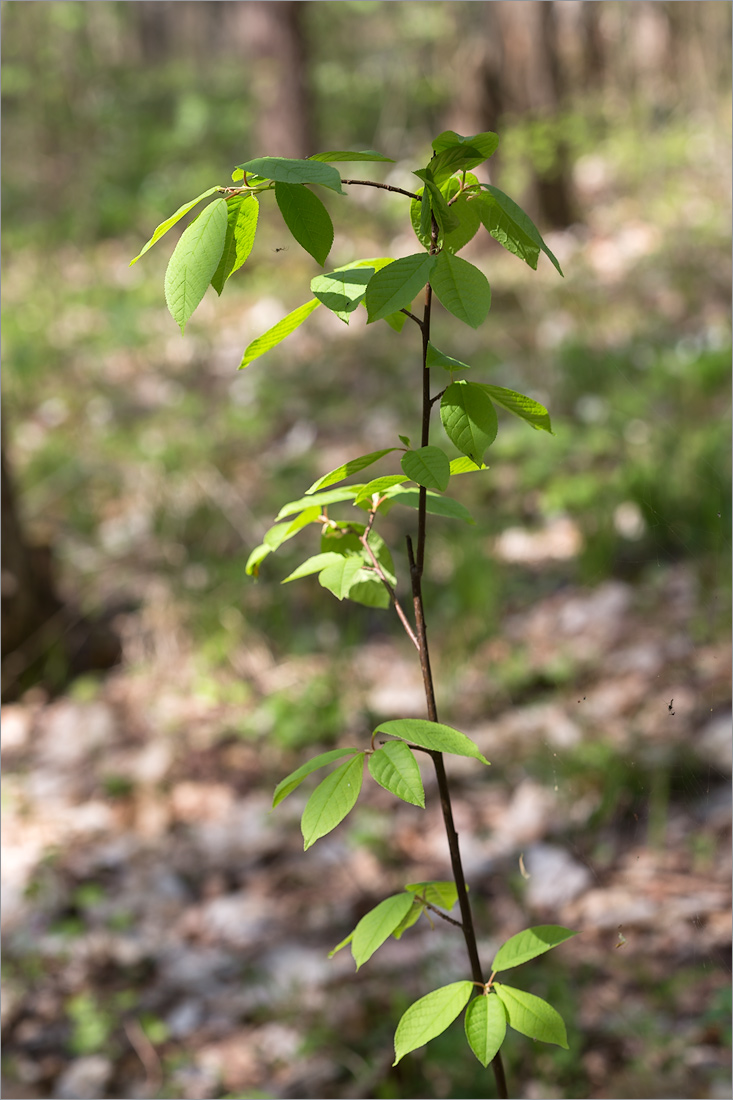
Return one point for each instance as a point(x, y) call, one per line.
point(443, 894)
point(462, 289)
point(395, 768)
point(341, 574)
point(194, 261)
point(311, 565)
point(485, 143)
point(351, 467)
point(437, 358)
point(287, 785)
point(467, 210)
point(342, 291)
point(532, 1016)
point(378, 486)
point(395, 286)
point(338, 947)
point(412, 917)
point(465, 465)
point(281, 532)
point(485, 1025)
point(322, 500)
point(529, 944)
point(433, 736)
point(370, 592)
point(428, 466)
point(444, 216)
point(345, 539)
point(521, 405)
point(307, 219)
point(469, 419)
point(425, 221)
point(331, 801)
point(453, 159)
point(242, 214)
point(511, 227)
point(429, 1017)
point(286, 170)
point(181, 212)
point(436, 505)
point(365, 154)
point(278, 332)
point(258, 555)
point(377, 925)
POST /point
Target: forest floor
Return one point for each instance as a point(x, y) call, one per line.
point(165, 934)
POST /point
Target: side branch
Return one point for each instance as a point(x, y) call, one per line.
point(384, 187)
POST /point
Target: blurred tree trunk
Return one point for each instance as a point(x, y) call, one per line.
point(35, 621)
point(518, 75)
point(279, 78)
point(29, 600)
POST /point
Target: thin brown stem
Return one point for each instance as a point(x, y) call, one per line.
point(392, 594)
point(384, 187)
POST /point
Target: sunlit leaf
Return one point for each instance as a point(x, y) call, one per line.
point(287, 170)
point(469, 418)
point(395, 768)
point(429, 1017)
point(242, 212)
point(194, 261)
point(394, 287)
point(278, 332)
point(529, 944)
point(287, 785)
point(432, 735)
point(347, 468)
point(332, 800)
point(181, 212)
point(435, 504)
point(532, 1016)
point(512, 228)
point(437, 358)
point(338, 155)
point(461, 288)
point(485, 1025)
point(377, 925)
point(428, 466)
point(521, 405)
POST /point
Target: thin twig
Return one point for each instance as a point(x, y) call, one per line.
point(384, 187)
point(412, 317)
point(438, 913)
point(392, 594)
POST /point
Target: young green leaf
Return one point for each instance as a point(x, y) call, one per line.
point(529, 944)
point(428, 466)
point(436, 505)
point(370, 592)
point(521, 405)
point(378, 486)
point(377, 925)
point(437, 358)
point(281, 532)
point(312, 565)
point(242, 213)
point(412, 917)
point(396, 321)
point(163, 228)
point(532, 1016)
point(278, 332)
point(395, 768)
point(469, 419)
point(444, 215)
point(339, 946)
point(511, 227)
point(365, 154)
point(469, 218)
point(453, 159)
point(425, 222)
point(341, 574)
point(465, 465)
point(194, 261)
point(429, 1017)
point(395, 286)
point(287, 785)
point(432, 735)
point(443, 894)
point(342, 291)
point(485, 143)
point(485, 1025)
point(330, 496)
point(351, 467)
point(307, 219)
point(462, 289)
point(258, 555)
point(332, 800)
point(286, 170)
